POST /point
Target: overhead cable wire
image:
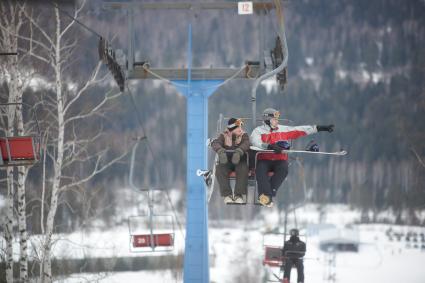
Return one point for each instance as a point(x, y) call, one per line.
point(74, 19)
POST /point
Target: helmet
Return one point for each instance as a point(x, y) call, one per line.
point(294, 232)
point(270, 113)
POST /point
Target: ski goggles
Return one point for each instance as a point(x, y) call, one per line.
point(237, 123)
point(273, 115)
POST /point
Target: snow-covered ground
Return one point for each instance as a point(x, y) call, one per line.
point(236, 251)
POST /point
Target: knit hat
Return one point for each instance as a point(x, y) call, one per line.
point(233, 123)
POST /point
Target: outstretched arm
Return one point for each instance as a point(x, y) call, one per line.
point(299, 131)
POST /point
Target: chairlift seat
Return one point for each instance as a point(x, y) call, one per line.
point(151, 233)
point(18, 150)
point(273, 256)
point(152, 240)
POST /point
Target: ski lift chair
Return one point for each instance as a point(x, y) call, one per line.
point(273, 245)
point(273, 259)
point(252, 161)
point(19, 150)
point(274, 242)
point(273, 256)
point(149, 232)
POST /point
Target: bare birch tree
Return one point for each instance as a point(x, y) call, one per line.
point(11, 23)
point(69, 145)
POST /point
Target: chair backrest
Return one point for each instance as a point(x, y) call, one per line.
point(150, 233)
point(18, 151)
point(273, 256)
point(152, 240)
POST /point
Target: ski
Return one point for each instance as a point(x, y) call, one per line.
point(289, 151)
point(206, 174)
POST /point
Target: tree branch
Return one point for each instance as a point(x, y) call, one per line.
point(48, 38)
point(84, 88)
point(98, 169)
point(76, 13)
point(418, 157)
point(94, 110)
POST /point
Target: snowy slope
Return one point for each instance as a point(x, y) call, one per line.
point(236, 253)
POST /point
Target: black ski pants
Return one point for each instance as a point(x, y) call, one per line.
point(298, 263)
point(269, 185)
point(222, 172)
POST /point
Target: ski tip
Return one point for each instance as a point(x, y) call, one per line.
point(343, 152)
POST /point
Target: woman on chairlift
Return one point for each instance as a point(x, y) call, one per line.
point(232, 146)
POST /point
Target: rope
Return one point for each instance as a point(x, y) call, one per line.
point(146, 68)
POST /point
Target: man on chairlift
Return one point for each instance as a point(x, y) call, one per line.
point(293, 252)
point(272, 136)
point(232, 146)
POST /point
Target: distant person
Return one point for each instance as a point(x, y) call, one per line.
point(236, 140)
point(275, 137)
point(293, 252)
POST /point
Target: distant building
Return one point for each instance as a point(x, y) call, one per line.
point(315, 229)
point(339, 240)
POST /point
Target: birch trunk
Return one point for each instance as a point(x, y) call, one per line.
point(47, 272)
point(10, 182)
point(8, 227)
point(22, 219)
point(12, 28)
point(8, 43)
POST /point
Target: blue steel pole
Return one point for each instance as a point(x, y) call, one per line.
point(196, 261)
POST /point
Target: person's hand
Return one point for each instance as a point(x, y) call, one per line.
point(236, 157)
point(275, 148)
point(325, 128)
point(284, 145)
point(222, 156)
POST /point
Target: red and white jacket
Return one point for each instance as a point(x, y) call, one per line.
point(264, 135)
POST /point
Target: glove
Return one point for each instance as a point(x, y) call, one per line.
point(222, 156)
point(328, 128)
point(236, 157)
point(275, 147)
point(284, 145)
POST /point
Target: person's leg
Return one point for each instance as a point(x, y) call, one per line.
point(263, 181)
point(300, 270)
point(280, 169)
point(241, 178)
point(287, 271)
point(222, 174)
